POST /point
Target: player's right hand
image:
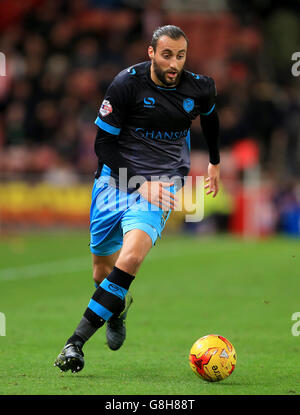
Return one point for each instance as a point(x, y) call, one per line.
point(157, 194)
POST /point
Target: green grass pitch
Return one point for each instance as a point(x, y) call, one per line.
point(187, 287)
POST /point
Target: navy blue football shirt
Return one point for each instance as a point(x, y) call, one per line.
point(152, 123)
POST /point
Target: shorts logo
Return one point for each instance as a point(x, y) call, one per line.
point(105, 108)
point(188, 104)
point(149, 102)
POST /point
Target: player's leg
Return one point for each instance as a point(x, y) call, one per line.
point(137, 243)
point(115, 327)
point(105, 241)
point(141, 228)
point(105, 245)
point(71, 357)
point(130, 259)
point(107, 300)
point(103, 265)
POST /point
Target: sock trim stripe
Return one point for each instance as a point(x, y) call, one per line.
point(120, 277)
point(99, 310)
point(114, 288)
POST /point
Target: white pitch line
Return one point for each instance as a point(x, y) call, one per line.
point(79, 264)
point(46, 269)
point(63, 266)
point(69, 265)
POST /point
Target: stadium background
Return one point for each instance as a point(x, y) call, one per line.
point(60, 57)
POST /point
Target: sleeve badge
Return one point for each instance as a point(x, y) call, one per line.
point(105, 108)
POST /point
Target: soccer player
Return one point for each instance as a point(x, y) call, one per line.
point(143, 148)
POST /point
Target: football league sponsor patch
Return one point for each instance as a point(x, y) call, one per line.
point(105, 108)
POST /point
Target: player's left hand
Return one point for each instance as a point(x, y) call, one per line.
point(212, 181)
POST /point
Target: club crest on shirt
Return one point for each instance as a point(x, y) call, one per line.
point(105, 108)
point(188, 104)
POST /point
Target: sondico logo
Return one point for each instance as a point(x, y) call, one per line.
point(2, 64)
point(296, 326)
point(2, 324)
point(149, 102)
point(296, 66)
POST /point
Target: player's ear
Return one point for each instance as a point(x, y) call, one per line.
point(151, 52)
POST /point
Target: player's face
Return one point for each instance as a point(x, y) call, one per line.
point(168, 60)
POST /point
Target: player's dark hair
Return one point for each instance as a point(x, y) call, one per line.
point(174, 32)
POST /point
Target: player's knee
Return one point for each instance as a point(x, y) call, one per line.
point(130, 262)
point(101, 271)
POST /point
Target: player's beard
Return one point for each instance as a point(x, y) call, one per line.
point(162, 75)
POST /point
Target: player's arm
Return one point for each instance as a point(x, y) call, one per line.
point(210, 126)
point(106, 149)
point(110, 119)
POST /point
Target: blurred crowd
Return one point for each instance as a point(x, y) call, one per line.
point(61, 55)
point(59, 64)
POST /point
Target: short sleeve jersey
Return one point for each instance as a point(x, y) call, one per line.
point(153, 123)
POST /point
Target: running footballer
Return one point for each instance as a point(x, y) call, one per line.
point(143, 148)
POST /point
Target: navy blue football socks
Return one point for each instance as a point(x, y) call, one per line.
point(107, 300)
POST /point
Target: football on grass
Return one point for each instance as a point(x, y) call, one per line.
point(213, 358)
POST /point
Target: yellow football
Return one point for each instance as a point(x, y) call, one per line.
point(213, 358)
